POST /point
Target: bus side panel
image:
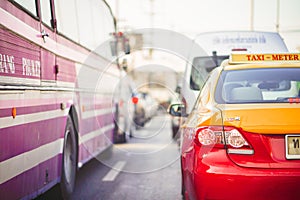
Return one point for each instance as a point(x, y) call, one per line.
point(97, 125)
point(66, 70)
point(93, 147)
point(26, 137)
point(31, 143)
point(18, 58)
point(24, 187)
point(96, 106)
point(48, 68)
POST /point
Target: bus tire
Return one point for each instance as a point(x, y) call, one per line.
point(69, 161)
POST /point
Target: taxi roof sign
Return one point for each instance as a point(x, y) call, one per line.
point(254, 58)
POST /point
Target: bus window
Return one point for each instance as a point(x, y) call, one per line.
point(29, 5)
point(66, 12)
point(46, 12)
point(87, 34)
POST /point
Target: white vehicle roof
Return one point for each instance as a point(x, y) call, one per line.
point(254, 41)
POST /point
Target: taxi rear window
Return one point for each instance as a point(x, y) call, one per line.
point(278, 85)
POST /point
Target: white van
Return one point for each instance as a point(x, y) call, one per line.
point(217, 47)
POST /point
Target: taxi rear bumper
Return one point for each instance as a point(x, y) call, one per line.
point(217, 177)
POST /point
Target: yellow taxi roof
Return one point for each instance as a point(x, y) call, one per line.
point(276, 60)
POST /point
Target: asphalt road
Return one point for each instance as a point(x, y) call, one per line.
point(146, 167)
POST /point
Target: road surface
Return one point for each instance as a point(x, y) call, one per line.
point(146, 167)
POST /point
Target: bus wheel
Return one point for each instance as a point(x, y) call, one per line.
point(69, 161)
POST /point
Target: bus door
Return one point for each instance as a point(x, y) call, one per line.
point(49, 67)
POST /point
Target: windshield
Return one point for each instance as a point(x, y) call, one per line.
point(259, 85)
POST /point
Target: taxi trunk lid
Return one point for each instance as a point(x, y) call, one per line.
point(266, 127)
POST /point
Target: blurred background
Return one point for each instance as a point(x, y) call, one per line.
point(189, 18)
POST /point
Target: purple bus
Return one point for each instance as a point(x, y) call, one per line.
point(58, 97)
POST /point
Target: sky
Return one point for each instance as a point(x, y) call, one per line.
point(191, 17)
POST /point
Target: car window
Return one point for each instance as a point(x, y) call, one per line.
point(201, 65)
point(258, 85)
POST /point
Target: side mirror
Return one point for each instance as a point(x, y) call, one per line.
point(177, 110)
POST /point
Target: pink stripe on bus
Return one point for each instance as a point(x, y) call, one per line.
point(99, 144)
point(7, 112)
point(95, 123)
point(26, 137)
point(98, 106)
point(9, 103)
point(48, 171)
point(30, 136)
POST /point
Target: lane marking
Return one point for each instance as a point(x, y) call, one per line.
point(114, 172)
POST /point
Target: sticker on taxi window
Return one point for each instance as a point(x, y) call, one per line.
point(294, 100)
point(246, 58)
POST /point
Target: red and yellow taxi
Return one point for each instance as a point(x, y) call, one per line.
point(242, 139)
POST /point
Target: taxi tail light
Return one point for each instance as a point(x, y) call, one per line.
point(236, 143)
point(221, 137)
point(211, 136)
